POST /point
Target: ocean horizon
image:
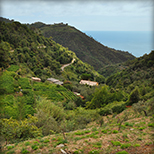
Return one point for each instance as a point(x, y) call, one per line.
point(137, 43)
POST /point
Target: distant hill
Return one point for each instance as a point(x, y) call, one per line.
point(138, 72)
point(85, 47)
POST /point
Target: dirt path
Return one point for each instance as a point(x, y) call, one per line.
point(67, 64)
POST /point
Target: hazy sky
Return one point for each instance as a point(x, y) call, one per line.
point(96, 15)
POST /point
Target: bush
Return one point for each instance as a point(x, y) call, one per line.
point(13, 68)
point(134, 96)
point(141, 128)
point(122, 152)
point(46, 141)
point(70, 105)
point(125, 145)
point(8, 108)
point(97, 145)
point(104, 131)
point(151, 124)
point(12, 129)
point(128, 124)
point(101, 97)
point(83, 117)
point(34, 147)
point(146, 107)
point(116, 143)
point(85, 76)
point(7, 82)
point(61, 141)
point(24, 83)
point(137, 145)
point(10, 147)
point(24, 151)
point(115, 131)
point(79, 133)
point(11, 152)
point(113, 107)
point(49, 116)
point(27, 143)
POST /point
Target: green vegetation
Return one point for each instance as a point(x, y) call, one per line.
point(37, 116)
point(24, 151)
point(122, 152)
point(128, 124)
point(125, 145)
point(92, 139)
point(14, 130)
point(116, 143)
point(108, 97)
point(115, 131)
point(85, 47)
point(136, 79)
point(27, 143)
point(26, 48)
point(13, 68)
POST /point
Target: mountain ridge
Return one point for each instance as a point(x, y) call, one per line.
point(86, 48)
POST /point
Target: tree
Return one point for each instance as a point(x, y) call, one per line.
point(100, 79)
point(101, 97)
point(146, 107)
point(12, 129)
point(4, 54)
point(85, 76)
point(134, 96)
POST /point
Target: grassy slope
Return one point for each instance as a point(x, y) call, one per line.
point(85, 47)
point(135, 136)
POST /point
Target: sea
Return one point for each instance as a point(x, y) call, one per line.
point(137, 43)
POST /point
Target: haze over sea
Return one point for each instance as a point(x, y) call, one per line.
point(137, 43)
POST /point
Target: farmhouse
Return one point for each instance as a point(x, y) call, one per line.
point(90, 83)
point(56, 81)
point(36, 79)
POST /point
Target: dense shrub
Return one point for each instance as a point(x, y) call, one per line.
point(115, 107)
point(13, 130)
point(24, 83)
point(83, 117)
point(13, 68)
point(104, 96)
point(7, 82)
point(146, 107)
point(134, 96)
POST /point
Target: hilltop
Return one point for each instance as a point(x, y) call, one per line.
point(86, 48)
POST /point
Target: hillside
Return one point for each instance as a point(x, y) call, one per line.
point(138, 72)
point(25, 53)
point(85, 47)
point(113, 117)
point(37, 55)
point(135, 83)
point(134, 136)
